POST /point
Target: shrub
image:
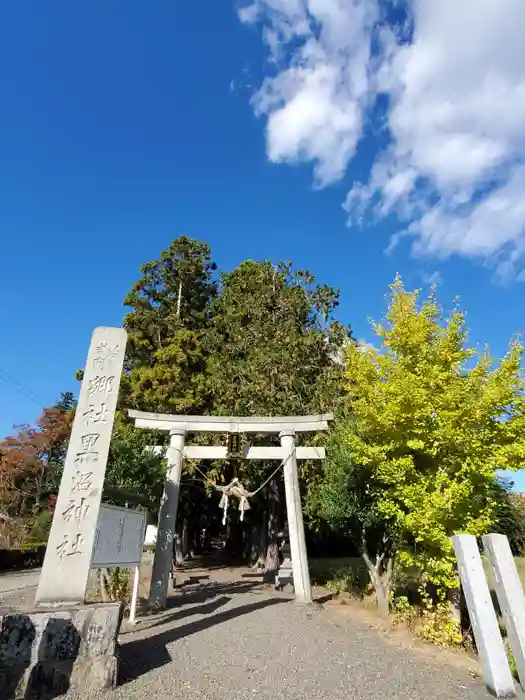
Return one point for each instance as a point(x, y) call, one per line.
point(40, 527)
point(431, 621)
point(13, 532)
point(115, 585)
point(351, 580)
point(28, 556)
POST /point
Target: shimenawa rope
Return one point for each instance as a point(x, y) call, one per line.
point(235, 488)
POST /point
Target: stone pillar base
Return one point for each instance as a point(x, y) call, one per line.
point(44, 653)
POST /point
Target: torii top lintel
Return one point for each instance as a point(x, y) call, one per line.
point(230, 424)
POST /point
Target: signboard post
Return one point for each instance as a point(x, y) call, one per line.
point(134, 596)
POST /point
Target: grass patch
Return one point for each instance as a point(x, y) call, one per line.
point(349, 576)
point(322, 570)
point(342, 575)
point(520, 566)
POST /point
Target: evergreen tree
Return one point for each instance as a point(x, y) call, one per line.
point(272, 345)
point(167, 323)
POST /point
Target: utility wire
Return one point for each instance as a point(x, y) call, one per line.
point(16, 384)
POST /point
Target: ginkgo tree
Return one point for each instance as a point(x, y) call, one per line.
point(428, 423)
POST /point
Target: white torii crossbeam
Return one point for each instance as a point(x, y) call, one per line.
point(178, 427)
point(230, 424)
point(248, 452)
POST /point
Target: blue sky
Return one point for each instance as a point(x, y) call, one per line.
point(126, 124)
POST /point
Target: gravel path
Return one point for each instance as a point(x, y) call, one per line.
point(14, 581)
point(231, 639)
point(232, 642)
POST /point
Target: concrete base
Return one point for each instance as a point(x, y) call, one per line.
point(45, 653)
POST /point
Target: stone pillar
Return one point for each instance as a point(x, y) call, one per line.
point(301, 575)
point(510, 596)
point(496, 671)
point(70, 546)
point(163, 559)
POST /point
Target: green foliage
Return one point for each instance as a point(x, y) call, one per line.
point(432, 422)
point(166, 328)
point(271, 350)
point(27, 556)
point(401, 610)
point(130, 466)
point(351, 580)
point(272, 342)
point(66, 402)
point(116, 584)
point(430, 621)
point(509, 516)
point(347, 497)
point(511, 660)
point(438, 626)
point(174, 381)
point(40, 527)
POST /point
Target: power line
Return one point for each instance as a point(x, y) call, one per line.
point(16, 384)
point(19, 387)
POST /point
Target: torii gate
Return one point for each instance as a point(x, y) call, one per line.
point(178, 427)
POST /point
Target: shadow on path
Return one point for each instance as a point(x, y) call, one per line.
point(142, 655)
point(201, 593)
point(209, 590)
point(165, 618)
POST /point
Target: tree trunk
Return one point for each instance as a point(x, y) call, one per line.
point(271, 563)
point(185, 540)
point(454, 599)
point(258, 534)
point(196, 544)
point(259, 541)
point(380, 572)
point(206, 540)
point(458, 608)
point(255, 538)
point(234, 536)
point(382, 590)
point(177, 546)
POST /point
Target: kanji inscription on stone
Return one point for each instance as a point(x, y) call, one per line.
point(68, 555)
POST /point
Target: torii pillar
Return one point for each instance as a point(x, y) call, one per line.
point(163, 559)
point(301, 573)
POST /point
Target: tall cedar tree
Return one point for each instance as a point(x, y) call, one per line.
point(272, 348)
point(167, 323)
point(165, 364)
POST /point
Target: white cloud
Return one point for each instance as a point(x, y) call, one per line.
point(314, 103)
point(434, 278)
point(364, 346)
point(454, 168)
